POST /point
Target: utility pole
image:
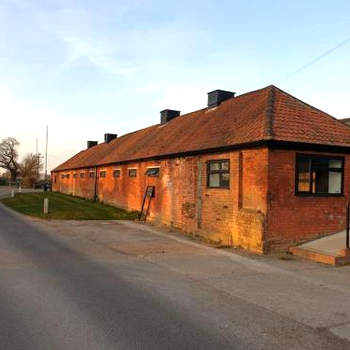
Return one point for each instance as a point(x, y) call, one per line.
point(37, 159)
point(47, 141)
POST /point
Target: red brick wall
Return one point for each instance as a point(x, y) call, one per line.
point(260, 211)
point(294, 218)
point(234, 216)
point(251, 217)
point(80, 187)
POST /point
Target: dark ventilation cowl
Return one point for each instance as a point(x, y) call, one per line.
point(167, 115)
point(110, 137)
point(91, 144)
point(217, 96)
point(345, 121)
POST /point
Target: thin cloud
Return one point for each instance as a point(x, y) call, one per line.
point(75, 29)
point(97, 53)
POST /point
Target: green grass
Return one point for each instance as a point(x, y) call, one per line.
point(65, 207)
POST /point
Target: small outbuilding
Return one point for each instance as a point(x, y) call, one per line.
point(262, 170)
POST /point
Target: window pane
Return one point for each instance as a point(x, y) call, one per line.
point(215, 166)
point(334, 185)
point(304, 175)
point(322, 179)
point(152, 172)
point(224, 165)
point(225, 180)
point(214, 180)
point(335, 163)
point(320, 164)
point(320, 183)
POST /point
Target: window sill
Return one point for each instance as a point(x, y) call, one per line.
point(319, 194)
point(218, 188)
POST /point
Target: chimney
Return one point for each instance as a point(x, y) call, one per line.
point(110, 137)
point(167, 115)
point(345, 121)
point(91, 144)
point(217, 96)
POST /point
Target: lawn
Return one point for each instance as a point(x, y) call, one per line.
point(65, 207)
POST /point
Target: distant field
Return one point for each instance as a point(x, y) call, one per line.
point(65, 207)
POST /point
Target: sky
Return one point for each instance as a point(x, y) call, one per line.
point(87, 67)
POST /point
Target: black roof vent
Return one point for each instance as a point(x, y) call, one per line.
point(217, 96)
point(110, 137)
point(167, 115)
point(91, 144)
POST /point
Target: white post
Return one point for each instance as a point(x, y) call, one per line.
point(19, 189)
point(12, 193)
point(46, 205)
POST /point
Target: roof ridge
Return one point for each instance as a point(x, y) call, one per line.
point(308, 105)
point(269, 113)
point(189, 113)
point(133, 132)
point(250, 92)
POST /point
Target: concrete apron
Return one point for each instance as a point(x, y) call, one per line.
point(328, 250)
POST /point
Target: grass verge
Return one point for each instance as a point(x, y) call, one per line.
point(65, 207)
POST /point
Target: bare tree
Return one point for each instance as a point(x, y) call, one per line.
point(29, 169)
point(9, 156)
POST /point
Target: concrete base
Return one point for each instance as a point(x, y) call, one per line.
point(320, 257)
point(327, 250)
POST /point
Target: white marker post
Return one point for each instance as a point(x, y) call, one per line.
point(19, 189)
point(46, 205)
point(12, 193)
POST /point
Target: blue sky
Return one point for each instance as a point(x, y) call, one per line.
point(88, 67)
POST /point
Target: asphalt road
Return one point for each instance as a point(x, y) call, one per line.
point(72, 286)
point(5, 191)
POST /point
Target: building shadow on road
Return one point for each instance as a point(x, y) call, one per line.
point(128, 313)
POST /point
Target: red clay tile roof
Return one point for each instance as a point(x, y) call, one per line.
point(266, 114)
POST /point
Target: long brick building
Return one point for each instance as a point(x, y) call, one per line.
point(262, 170)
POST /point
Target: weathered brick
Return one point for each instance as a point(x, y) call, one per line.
point(182, 198)
point(293, 218)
